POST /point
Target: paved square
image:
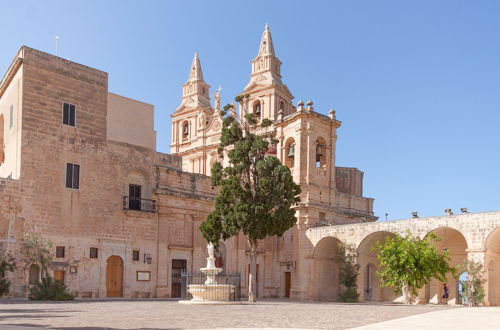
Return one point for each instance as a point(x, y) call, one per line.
point(162, 314)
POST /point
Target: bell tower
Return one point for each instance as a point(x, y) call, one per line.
point(267, 93)
point(195, 104)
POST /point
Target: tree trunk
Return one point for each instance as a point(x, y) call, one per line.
point(406, 294)
point(471, 294)
point(252, 275)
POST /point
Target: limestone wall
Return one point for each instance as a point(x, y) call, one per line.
point(130, 121)
point(10, 126)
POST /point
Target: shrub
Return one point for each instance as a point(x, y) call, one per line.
point(349, 295)
point(50, 289)
point(349, 269)
point(7, 264)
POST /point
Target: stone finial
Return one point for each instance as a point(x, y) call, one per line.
point(300, 105)
point(310, 105)
point(332, 114)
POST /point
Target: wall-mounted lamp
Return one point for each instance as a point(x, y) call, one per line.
point(147, 258)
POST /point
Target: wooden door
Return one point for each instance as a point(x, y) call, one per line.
point(114, 277)
point(288, 284)
point(178, 266)
point(59, 275)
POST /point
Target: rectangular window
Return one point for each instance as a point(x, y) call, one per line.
point(134, 193)
point(60, 251)
point(93, 253)
point(11, 121)
point(135, 255)
point(72, 176)
point(69, 114)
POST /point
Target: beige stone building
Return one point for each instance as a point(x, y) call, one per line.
point(124, 218)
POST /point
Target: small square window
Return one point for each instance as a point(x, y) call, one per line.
point(93, 253)
point(135, 255)
point(69, 114)
point(60, 251)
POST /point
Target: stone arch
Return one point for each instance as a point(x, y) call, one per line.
point(320, 152)
point(369, 265)
point(257, 109)
point(282, 107)
point(492, 263)
point(290, 152)
point(326, 269)
point(186, 129)
point(454, 241)
point(2, 152)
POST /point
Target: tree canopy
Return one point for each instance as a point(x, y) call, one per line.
point(257, 193)
point(408, 263)
point(36, 250)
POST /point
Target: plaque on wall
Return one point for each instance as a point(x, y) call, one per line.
point(143, 276)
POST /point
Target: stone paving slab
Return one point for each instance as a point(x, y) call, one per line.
point(161, 314)
point(463, 318)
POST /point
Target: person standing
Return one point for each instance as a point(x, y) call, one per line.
point(445, 294)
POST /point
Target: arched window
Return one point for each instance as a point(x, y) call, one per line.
point(320, 153)
point(282, 106)
point(290, 153)
point(185, 130)
point(257, 109)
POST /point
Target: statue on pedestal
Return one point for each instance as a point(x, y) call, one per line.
point(217, 98)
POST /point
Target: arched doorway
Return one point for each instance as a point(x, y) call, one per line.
point(114, 277)
point(34, 274)
point(326, 269)
point(367, 259)
point(492, 264)
point(453, 241)
point(460, 288)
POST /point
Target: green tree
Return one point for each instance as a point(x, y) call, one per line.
point(472, 286)
point(36, 250)
point(7, 264)
point(408, 263)
point(346, 257)
point(257, 193)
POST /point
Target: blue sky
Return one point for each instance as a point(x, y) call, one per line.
point(415, 83)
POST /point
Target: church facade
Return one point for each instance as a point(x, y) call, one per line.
point(79, 165)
